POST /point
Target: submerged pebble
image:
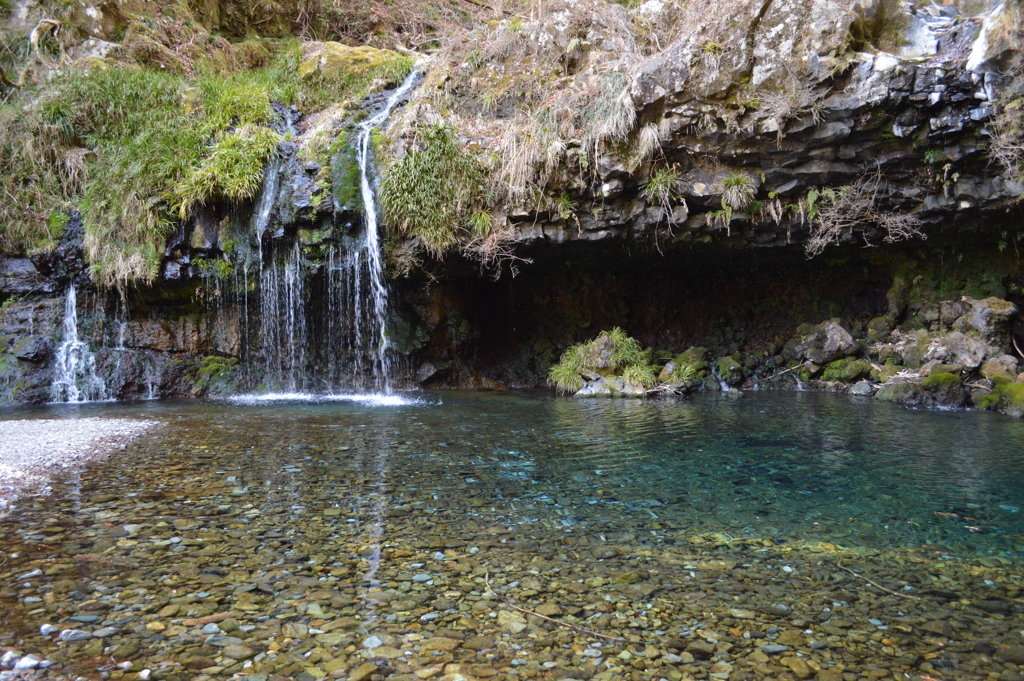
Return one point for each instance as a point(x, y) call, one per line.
point(440, 578)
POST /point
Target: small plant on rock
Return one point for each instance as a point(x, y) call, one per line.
point(612, 353)
point(738, 191)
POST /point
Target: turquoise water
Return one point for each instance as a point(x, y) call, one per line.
point(746, 469)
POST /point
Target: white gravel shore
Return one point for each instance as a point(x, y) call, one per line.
point(31, 450)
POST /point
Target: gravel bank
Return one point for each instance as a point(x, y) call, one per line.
point(31, 449)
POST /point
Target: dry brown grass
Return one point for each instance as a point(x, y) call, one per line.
point(842, 212)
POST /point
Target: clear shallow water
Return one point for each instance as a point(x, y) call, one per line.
point(756, 469)
point(340, 538)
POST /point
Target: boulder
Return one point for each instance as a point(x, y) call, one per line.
point(335, 61)
point(989, 318)
point(600, 352)
point(863, 388)
point(958, 348)
point(946, 390)
point(1003, 365)
point(687, 370)
point(825, 343)
point(730, 369)
point(903, 392)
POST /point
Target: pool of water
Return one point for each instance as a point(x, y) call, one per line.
point(772, 467)
point(366, 495)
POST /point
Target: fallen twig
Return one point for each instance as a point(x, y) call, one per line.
point(874, 584)
point(487, 579)
point(762, 380)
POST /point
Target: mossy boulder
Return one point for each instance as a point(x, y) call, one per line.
point(335, 61)
point(947, 389)
point(1009, 399)
point(847, 370)
point(880, 327)
point(730, 369)
point(1002, 366)
point(687, 370)
point(821, 344)
point(988, 318)
point(910, 394)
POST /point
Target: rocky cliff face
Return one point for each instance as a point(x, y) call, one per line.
point(786, 132)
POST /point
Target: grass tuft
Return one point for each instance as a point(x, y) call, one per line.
point(434, 192)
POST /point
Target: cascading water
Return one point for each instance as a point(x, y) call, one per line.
point(318, 316)
point(378, 287)
point(74, 374)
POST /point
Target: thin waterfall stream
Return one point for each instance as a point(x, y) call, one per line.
point(74, 372)
point(320, 319)
point(378, 287)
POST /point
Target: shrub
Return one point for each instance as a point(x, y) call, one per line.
point(836, 213)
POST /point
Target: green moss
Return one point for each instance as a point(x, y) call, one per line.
point(215, 269)
point(940, 380)
point(345, 175)
point(215, 374)
point(337, 72)
point(1011, 398)
point(847, 370)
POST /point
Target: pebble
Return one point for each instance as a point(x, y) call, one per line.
point(27, 662)
point(774, 649)
point(220, 640)
point(69, 635)
point(260, 590)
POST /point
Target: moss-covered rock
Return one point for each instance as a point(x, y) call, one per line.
point(1004, 366)
point(879, 328)
point(910, 394)
point(337, 61)
point(946, 389)
point(847, 370)
point(730, 369)
point(1009, 399)
point(687, 370)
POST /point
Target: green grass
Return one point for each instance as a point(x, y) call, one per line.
point(433, 192)
point(136, 149)
point(627, 359)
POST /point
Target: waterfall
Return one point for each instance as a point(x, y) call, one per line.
point(74, 375)
point(318, 311)
point(378, 287)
